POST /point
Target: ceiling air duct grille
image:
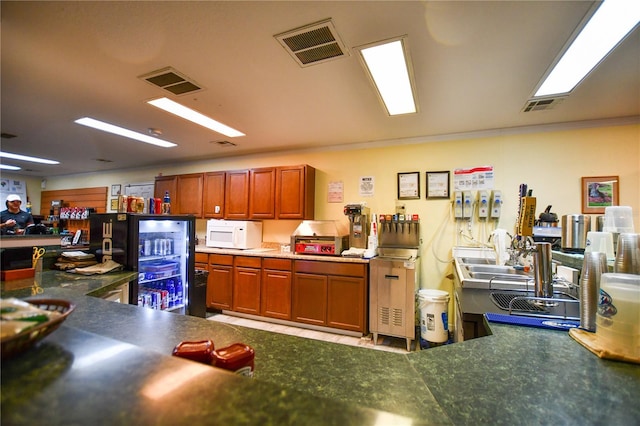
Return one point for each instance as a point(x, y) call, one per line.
point(542, 104)
point(313, 44)
point(172, 81)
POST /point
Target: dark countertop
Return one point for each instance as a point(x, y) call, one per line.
point(109, 364)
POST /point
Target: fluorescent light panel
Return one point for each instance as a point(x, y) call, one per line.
point(8, 167)
point(110, 128)
point(27, 158)
point(194, 116)
point(388, 66)
point(611, 23)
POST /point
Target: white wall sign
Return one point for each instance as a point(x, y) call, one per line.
point(367, 186)
point(335, 193)
point(481, 177)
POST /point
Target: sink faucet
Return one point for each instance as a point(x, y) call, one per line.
point(543, 274)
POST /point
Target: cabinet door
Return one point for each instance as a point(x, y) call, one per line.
point(246, 290)
point(262, 203)
point(295, 192)
point(236, 195)
point(346, 303)
point(310, 298)
point(188, 197)
point(163, 184)
point(219, 287)
point(276, 294)
point(213, 197)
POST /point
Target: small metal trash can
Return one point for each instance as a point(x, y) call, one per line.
point(198, 302)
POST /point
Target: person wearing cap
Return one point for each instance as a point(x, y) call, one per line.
point(13, 220)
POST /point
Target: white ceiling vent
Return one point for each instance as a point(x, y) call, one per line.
point(172, 81)
point(313, 44)
point(542, 104)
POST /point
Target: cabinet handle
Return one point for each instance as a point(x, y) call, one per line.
point(392, 277)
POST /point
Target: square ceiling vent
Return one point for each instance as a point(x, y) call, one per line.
point(172, 81)
point(313, 44)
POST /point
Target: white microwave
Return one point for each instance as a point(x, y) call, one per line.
point(236, 234)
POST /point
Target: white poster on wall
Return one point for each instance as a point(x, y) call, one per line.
point(475, 178)
point(367, 186)
point(12, 186)
point(335, 192)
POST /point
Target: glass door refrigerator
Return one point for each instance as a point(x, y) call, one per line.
point(161, 248)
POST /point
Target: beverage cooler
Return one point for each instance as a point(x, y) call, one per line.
point(161, 248)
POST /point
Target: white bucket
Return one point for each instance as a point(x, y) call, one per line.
point(434, 321)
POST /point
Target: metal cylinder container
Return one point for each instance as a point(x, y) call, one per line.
point(574, 232)
point(543, 274)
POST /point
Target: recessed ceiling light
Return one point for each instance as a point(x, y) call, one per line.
point(610, 24)
point(194, 116)
point(8, 167)
point(27, 158)
point(110, 128)
point(388, 65)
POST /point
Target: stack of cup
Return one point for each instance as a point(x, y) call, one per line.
point(602, 242)
point(618, 220)
point(594, 265)
point(628, 254)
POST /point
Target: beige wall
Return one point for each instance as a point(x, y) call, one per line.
point(551, 162)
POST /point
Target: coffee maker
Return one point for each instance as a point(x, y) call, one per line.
point(359, 218)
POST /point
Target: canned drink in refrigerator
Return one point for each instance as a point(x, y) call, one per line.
point(157, 247)
point(164, 299)
point(147, 247)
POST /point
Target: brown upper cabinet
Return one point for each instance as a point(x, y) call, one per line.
point(262, 203)
point(213, 198)
point(261, 193)
point(236, 196)
point(164, 184)
point(188, 196)
point(295, 192)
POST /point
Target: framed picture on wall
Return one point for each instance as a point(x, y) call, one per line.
point(115, 190)
point(599, 192)
point(438, 185)
point(409, 186)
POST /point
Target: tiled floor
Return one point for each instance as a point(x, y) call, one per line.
point(390, 344)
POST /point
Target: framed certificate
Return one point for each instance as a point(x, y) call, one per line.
point(438, 185)
point(409, 186)
point(115, 190)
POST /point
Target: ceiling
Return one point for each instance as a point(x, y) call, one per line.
point(475, 63)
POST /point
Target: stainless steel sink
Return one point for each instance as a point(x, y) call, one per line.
point(497, 269)
point(482, 272)
point(492, 276)
point(477, 261)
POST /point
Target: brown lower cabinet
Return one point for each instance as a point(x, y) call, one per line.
point(246, 284)
point(327, 294)
point(330, 294)
point(220, 281)
point(276, 288)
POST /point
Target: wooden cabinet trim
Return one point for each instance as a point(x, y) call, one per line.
point(277, 264)
point(220, 259)
point(330, 268)
point(248, 261)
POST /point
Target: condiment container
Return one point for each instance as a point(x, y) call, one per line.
point(618, 317)
point(199, 351)
point(238, 358)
